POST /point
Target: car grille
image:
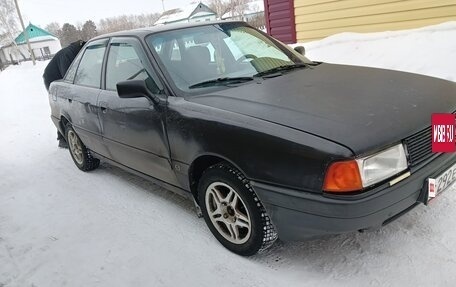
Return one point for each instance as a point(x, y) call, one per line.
point(419, 146)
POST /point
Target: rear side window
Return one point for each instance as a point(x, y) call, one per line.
point(89, 70)
point(71, 73)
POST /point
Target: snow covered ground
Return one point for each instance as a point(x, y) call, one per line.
point(62, 227)
point(429, 51)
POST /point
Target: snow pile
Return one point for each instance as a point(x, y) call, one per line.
point(62, 227)
point(430, 50)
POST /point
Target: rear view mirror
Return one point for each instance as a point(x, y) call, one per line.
point(301, 50)
point(134, 89)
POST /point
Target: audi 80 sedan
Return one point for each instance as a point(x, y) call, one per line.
point(266, 142)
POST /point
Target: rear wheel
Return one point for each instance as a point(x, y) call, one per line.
point(79, 152)
point(233, 212)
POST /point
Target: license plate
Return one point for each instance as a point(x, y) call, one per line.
point(441, 182)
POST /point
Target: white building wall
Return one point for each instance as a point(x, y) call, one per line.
point(202, 17)
point(180, 21)
point(54, 47)
point(13, 53)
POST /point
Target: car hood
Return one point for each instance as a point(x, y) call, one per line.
point(361, 108)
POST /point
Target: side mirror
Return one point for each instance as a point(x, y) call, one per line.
point(301, 50)
point(135, 89)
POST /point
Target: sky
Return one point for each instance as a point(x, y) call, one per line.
point(43, 12)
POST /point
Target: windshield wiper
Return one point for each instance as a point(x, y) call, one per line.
point(280, 69)
point(221, 81)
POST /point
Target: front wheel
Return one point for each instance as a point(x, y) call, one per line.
point(79, 152)
point(233, 212)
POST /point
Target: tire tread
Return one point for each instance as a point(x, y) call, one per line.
point(269, 232)
point(90, 163)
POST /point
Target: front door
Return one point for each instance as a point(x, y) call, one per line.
point(133, 129)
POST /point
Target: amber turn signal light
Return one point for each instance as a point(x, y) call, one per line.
point(343, 176)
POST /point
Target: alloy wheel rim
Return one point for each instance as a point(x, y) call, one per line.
point(228, 213)
point(75, 147)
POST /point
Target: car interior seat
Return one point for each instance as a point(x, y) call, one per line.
point(198, 59)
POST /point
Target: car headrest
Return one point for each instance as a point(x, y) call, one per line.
point(199, 53)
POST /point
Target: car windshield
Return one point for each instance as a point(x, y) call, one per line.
point(219, 55)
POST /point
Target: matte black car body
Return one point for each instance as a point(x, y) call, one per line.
point(282, 133)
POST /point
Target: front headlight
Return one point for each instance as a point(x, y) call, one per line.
point(382, 165)
point(354, 175)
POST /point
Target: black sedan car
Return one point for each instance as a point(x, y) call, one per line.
point(266, 142)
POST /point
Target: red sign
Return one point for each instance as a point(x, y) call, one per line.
point(443, 128)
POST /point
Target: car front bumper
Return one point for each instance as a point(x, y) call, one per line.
point(301, 215)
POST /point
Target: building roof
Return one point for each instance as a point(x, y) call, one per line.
point(183, 13)
point(35, 34)
point(253, 7)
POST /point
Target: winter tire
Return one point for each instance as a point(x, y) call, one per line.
point(233, 212)
point(79, 152)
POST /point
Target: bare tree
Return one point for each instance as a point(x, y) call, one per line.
point(8, 20)
point(236, 8)
point(239, 7)
point(54, 28)
point(69, 34)
point(258, 21)
point(8, 25)
point(89, 30)
point(126, 22)
point(114, 24)
point(147, 20)
point(220, 6)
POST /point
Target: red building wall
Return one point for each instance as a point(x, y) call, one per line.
point(280, 20)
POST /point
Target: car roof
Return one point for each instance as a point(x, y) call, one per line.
point(141, 32)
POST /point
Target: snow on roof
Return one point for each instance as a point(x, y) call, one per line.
point(43, 38)
point(251, 8)
point(181, 14)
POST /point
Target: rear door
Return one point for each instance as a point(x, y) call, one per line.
point(82, 96)
point(133, 129)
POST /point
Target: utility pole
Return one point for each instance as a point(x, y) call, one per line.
point(25, 32)
point(163, 5)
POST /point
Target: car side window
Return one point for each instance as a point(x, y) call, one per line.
point(125, 62)
point(71, 73)
point(89, 69)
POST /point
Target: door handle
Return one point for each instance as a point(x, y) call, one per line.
point(103, 107)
